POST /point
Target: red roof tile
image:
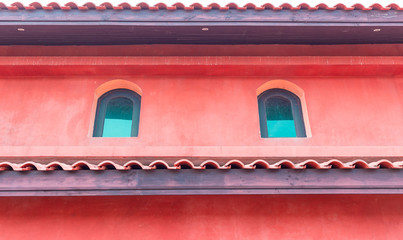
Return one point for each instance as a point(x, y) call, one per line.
point(196, 6)
point(211, 164)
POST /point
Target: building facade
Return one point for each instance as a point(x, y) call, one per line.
point(201, 122)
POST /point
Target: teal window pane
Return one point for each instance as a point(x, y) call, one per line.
point(281, 128)
point(280, 122)
point(118, 118)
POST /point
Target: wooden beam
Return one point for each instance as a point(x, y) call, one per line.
point(92, 27)
point(124, 33)
point(200, 182)
point(166, 17)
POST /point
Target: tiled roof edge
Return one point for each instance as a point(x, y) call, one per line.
point(195, 6)
point(208, 164)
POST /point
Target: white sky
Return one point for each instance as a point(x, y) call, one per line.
point(366, 3)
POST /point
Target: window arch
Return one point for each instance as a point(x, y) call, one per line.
point(280, 114)
point(117, 114)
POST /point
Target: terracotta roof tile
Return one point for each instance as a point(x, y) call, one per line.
point(208, 164)
point(196, 6)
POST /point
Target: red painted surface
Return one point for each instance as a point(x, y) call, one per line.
point(203, 217)
point(217, 66)
point(48, 113)
point(203, 115)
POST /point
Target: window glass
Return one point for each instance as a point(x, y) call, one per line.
point(118, 118)
point(117, 114)
point(280, 122)
point(280, 114)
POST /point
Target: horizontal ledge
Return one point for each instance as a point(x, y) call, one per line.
point(202, 61)
point(201, 182)
point(202, 23)
point(132, 149)
point(212, 15)
point(197, 192)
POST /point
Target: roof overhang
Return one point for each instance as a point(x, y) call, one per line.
point(198, 26)
point(201, 182)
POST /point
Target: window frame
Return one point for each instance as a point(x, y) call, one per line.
point(102, 104)
point(296, 110)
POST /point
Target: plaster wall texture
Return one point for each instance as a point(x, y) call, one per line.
point(206, 50)
point(203, 217)
point(199, 114)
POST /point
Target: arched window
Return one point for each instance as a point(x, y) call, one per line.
point(117, 114)
point(280, 114)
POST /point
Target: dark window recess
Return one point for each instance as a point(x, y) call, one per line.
point(118, 113)
point(280, 114)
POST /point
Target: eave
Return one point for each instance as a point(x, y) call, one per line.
point(198, 26)
point(201, 182)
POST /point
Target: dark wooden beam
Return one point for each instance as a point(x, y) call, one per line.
point(200, 182)
point(126, 27)
point(234, 33)
point(167, 17)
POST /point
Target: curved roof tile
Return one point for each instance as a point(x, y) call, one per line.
point(83, 165)
point(184, 164)
point(284, 164)
point(135, 165)
point(160, 164)
point(195, 6)
point(188, 164)
point(235, 164)
point(334, 163)
point(259, 164)
point(58, 166)
point(210, 164)
point(110, 165)
point(310, 164)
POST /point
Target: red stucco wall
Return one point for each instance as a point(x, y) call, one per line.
point(47, 112)
point(203, 217)
point(194, 115)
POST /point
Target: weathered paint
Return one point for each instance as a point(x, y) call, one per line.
point(208, 26)
point(201, 182)
point(203, 217)
point(203, 115)
point(353, 111)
